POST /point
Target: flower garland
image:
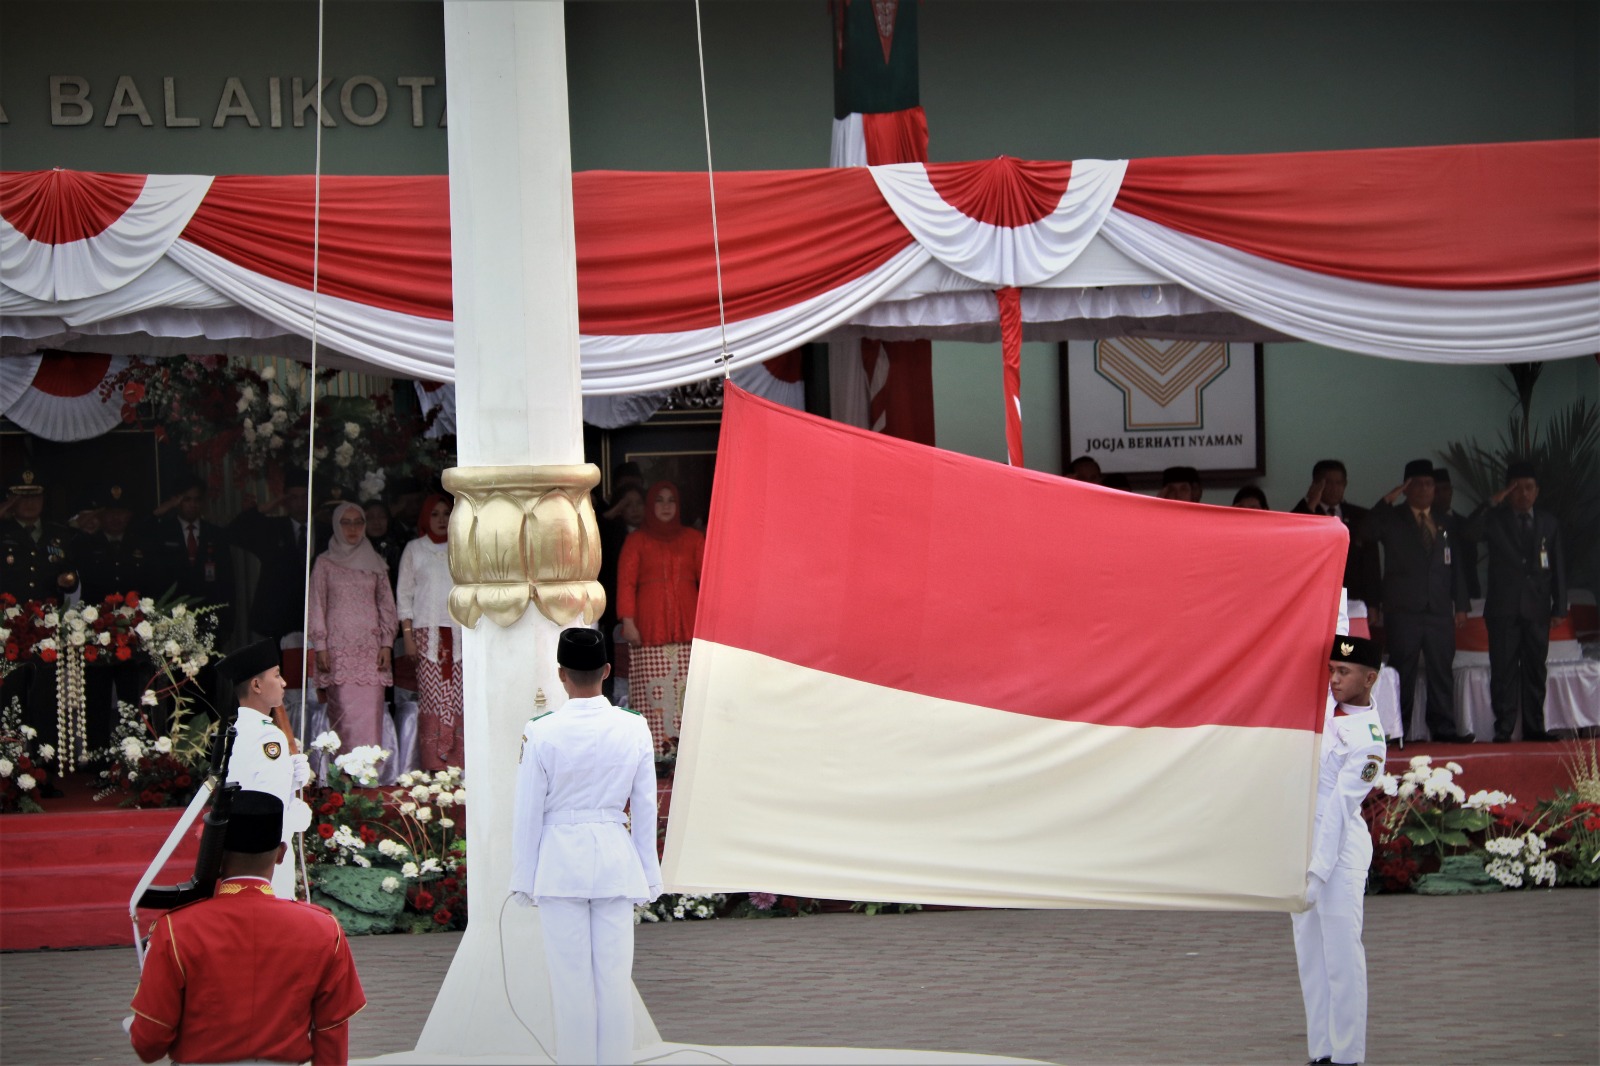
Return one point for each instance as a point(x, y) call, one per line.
point(72, 702)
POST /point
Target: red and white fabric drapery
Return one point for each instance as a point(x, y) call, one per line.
point(60, 396)
point(1465, 254)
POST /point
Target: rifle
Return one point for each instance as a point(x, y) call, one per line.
point(208, 864)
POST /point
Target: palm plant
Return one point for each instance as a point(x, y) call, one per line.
point(1566, 452)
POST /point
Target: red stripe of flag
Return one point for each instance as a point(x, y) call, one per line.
point(918, 569)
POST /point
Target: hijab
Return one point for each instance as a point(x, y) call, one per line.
point(358, 556)
point(423, 524)
point(654, 526)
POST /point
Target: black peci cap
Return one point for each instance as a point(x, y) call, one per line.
point(581, 649)
point(255, 824)
point(1358, 650)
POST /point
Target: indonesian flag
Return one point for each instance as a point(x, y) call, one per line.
point(923, 677)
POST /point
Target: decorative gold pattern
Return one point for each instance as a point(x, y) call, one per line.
point(1346, 648)
point(522, 534)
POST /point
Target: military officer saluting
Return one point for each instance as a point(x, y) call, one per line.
point(36, 562)
point(262, 758)
point(574, 856)
point(247, 976)
point(1327, 936)
point(111, 559)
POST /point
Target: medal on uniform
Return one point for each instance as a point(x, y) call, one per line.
point(1544, 555)
point(1445, 536)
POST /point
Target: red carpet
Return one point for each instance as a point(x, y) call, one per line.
point(1530, 772)
point(65, 875)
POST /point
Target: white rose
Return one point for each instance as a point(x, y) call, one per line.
point(409, 870)
point(275, 399)
point(144, 630)
point(420, 793)
point(149, 699)
point(26, 782)
point(448, 823)
point(446, 799)
point(172, 649)
point(76, 638)
point(430, 866)
point(351, 430)
point(52, 619)
point(105, 638)
point(424, 814)
point(243, 405)
point(407, 808)
point(5, 634)
point(461, 795)
point(390, 884)
point(163, 745)
point(46, 752)
point(6, 767)
point(268, 373)
point(179, 611)
point(29, 732)
point(280, 419)
point(441, 775)
point(90, 614)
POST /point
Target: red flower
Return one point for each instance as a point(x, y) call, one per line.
point(91, 653)
point(325, 831)
point(40, 775)
point(124, 653)
point(133, 392)
point(325, 809)
point(133, 599)
point(182, 781)
point(369, 835)
point(336, 800)
point(114, 600)
point(24, 763)
point(449, 883)
point(11, 652)
point(1592, 823)
point(423, 900)
point(48, 655)
point(442, 916)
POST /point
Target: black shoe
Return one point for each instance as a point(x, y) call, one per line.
point(1466, 738)
point(1319, 1062)
point(1502, 738)
point(1539, 738)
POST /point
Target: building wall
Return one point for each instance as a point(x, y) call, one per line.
point(1022, 77)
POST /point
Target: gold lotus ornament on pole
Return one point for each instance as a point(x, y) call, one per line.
point(521, 534)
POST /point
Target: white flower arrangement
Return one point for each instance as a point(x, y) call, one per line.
point(326, 742)
point(671, 908)
point(1520, 859)
point(361, 764)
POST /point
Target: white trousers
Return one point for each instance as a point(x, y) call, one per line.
point(1333, 968)
point(588, 947)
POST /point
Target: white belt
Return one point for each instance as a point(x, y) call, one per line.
point(599, 814)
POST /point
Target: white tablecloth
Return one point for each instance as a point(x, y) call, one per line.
point(399, 732)
point(1571, 699)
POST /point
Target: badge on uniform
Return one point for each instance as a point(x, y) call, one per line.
point(522, 748)
point(1369, 772)
point(272, 749)
point(1376, 734)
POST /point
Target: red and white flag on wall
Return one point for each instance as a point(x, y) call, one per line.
point(923, 677)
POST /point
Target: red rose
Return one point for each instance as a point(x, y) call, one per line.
point(24, 763)
point(326, 831)
point(182, 781)
point(336, 800)
point(124, 653)
point(325, 809)
point(133, 599)
point(423, 900)
point(369, 835)
point(48, 655)
point(449, 883)
point(11, 652)
point(40, 775)
point(115, 599)
point(442, 916)
point(91, 653)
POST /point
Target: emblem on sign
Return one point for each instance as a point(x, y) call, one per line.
point(272, 749)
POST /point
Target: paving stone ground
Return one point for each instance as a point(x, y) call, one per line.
point(1504, 978)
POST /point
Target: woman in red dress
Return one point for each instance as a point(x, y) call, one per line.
point(658, 586)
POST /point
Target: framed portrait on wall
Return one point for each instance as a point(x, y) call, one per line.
point(675, 446)
point(1139, 406)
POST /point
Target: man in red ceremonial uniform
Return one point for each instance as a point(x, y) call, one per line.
point(246, 976)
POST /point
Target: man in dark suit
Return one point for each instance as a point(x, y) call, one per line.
point(278, 540)
point(1326, 497)
point(1463, 544)
point(112, 559)
point(1527, 591)
point(1424, 597)
point(190, 554)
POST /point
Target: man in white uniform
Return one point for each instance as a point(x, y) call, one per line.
point(573, 854)
point(262, 760)
point(1327, 936)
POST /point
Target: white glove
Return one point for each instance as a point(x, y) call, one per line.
point(654, 892)
point(522, 899)
point(301, 772)
point(127, 1025)
point(1314, 885)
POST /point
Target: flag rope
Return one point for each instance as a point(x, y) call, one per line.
point(724, 357)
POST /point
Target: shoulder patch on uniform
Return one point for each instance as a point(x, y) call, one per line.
point(1374, 767)
point(272, 749)
point(1377, 734)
